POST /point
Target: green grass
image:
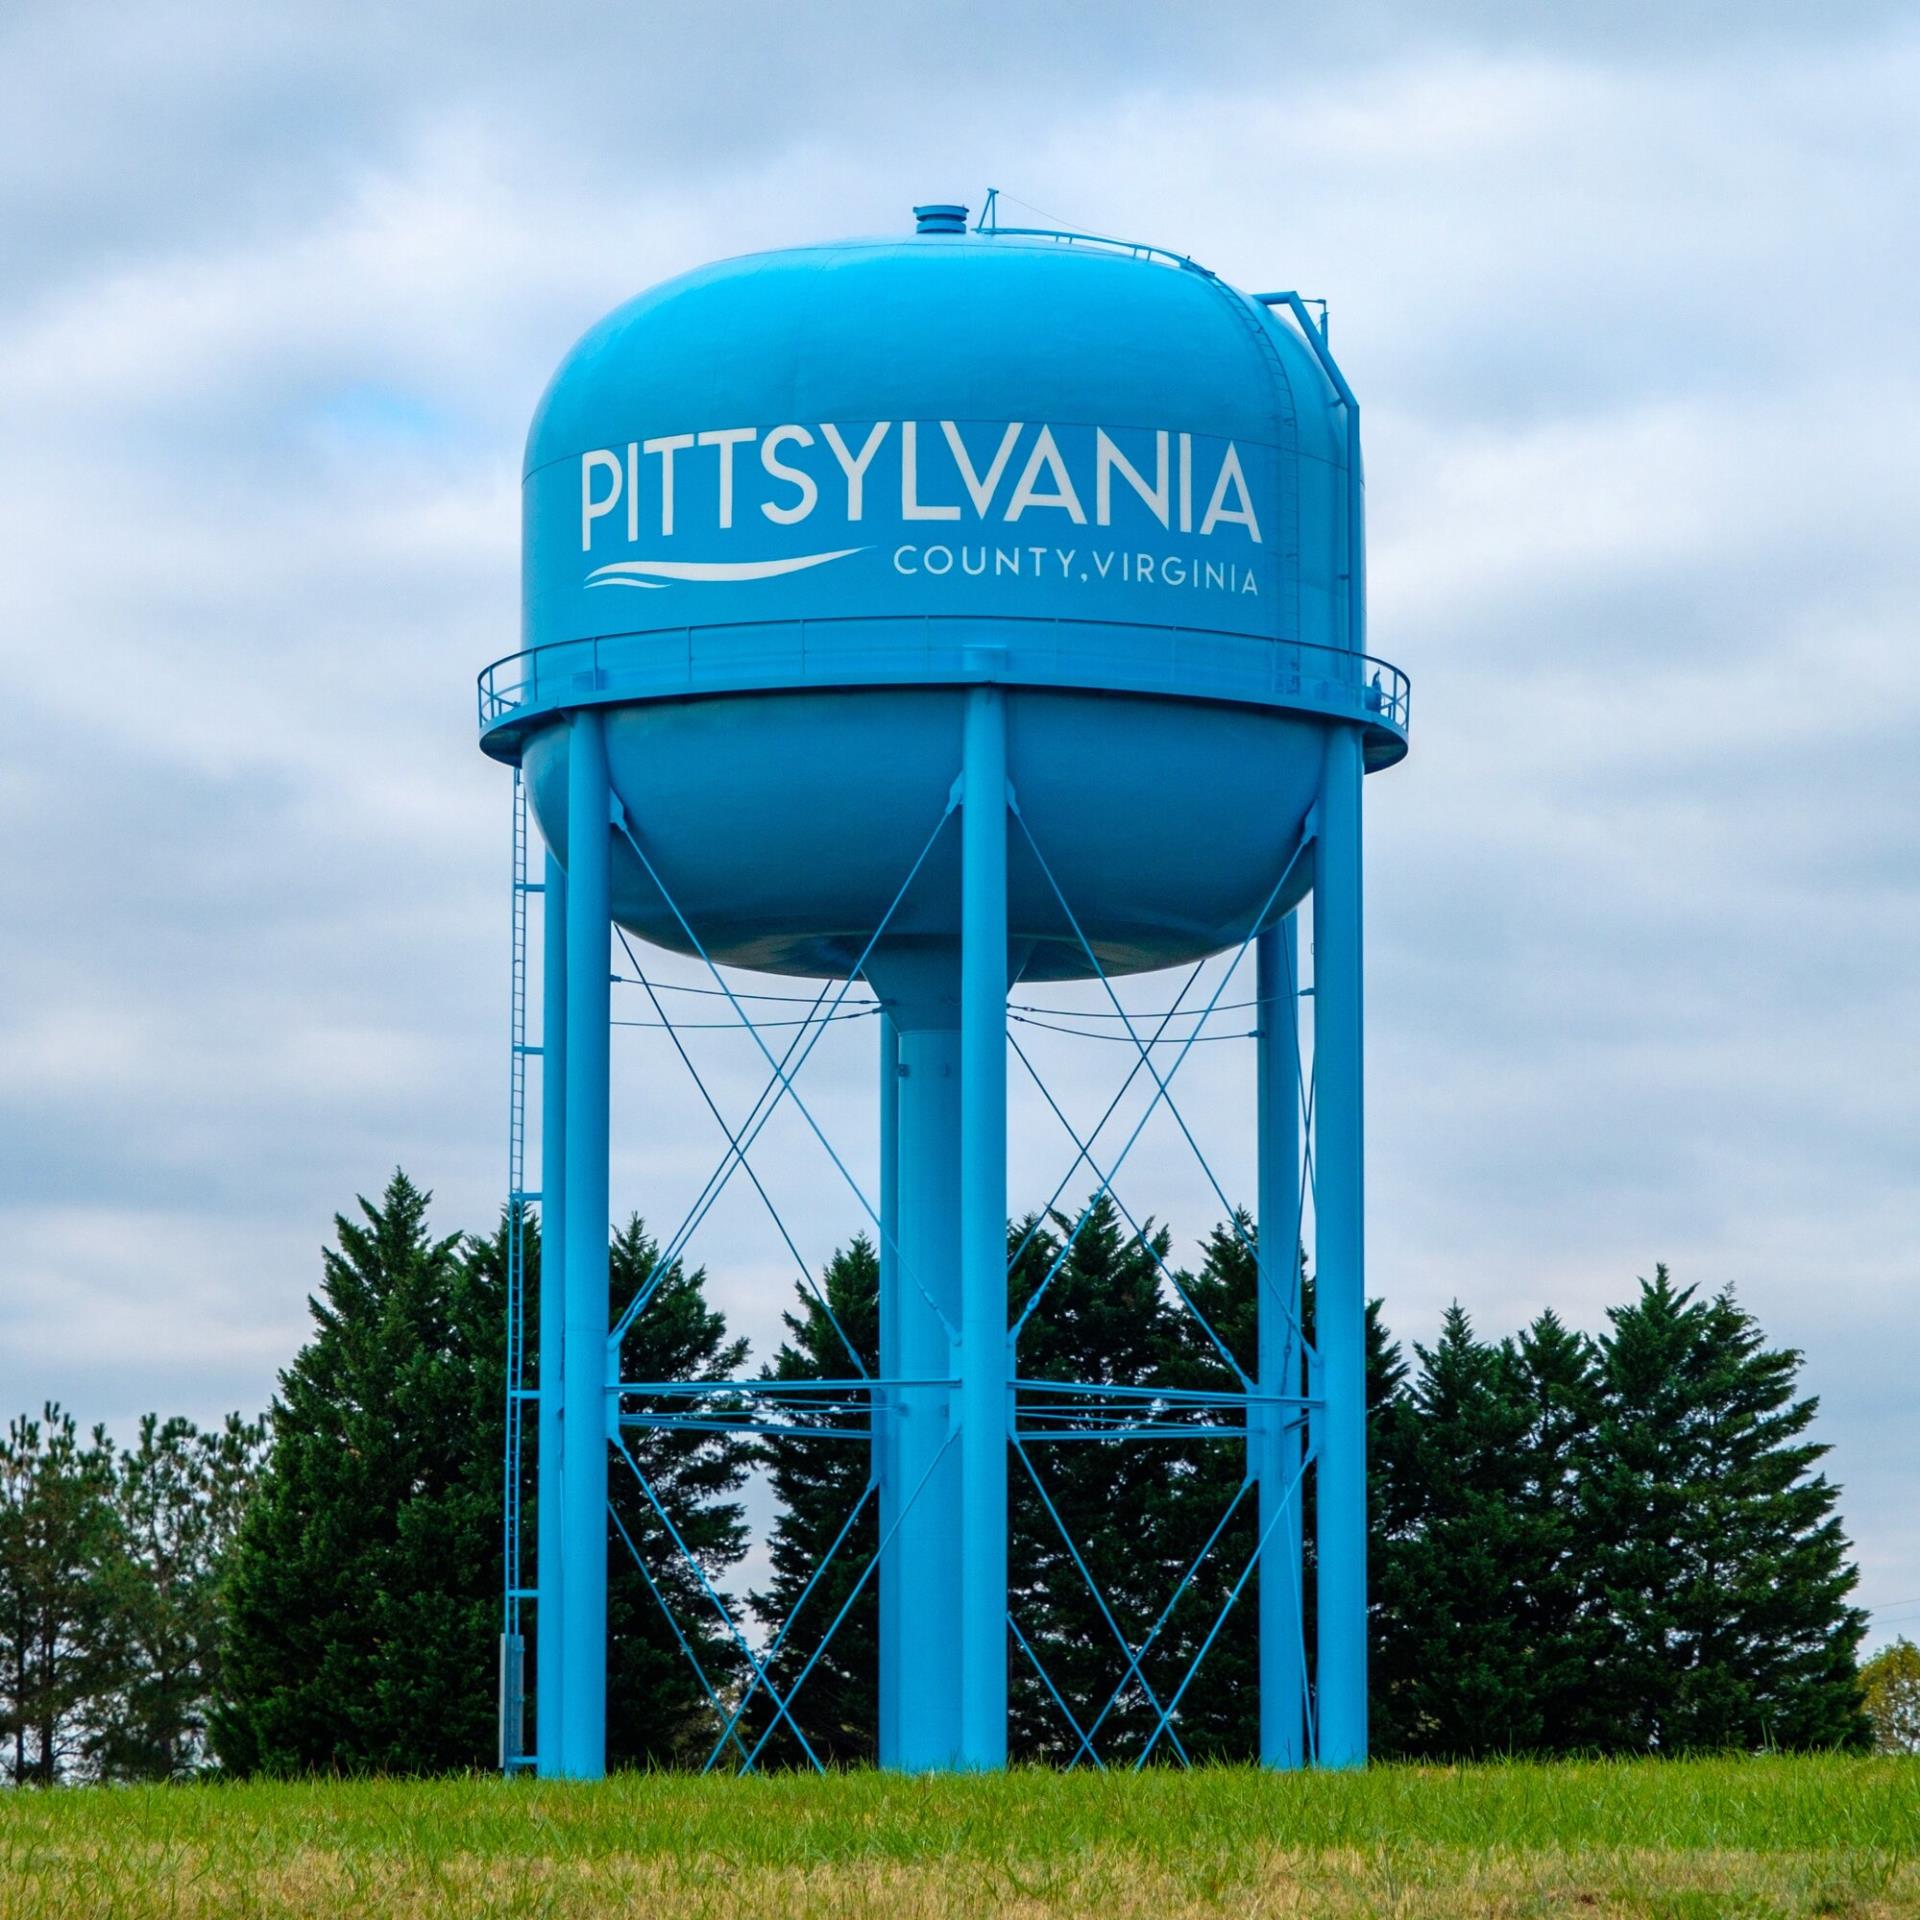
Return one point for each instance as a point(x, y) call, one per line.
point(1703, 1838)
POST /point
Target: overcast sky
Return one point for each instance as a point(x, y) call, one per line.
point(1628, 293)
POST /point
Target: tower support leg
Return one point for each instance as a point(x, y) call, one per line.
point(887, 1409)
point(1277, 1437)
point(985, 1373)
point(584, 1399)
point(548, 1685)
point(1340, 1330)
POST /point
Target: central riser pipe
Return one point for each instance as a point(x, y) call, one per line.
point(920, 1686)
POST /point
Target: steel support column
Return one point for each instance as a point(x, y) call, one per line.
point(1340, 1332)
point(547, 1631)
point(1276, 1441)
point(985, 1386)
point(583, 1547)
point(886, 1409)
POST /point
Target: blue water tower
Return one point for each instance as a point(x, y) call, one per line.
point(935, 612)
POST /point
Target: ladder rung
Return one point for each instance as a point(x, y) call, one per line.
point(523, 1593)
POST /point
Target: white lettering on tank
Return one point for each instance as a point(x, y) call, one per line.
point(798, 477)
point(1108, 459)
point(726, 439)
point(666, 447)
point(598, 461)
point(853, 465)
point(1217, 511)
point(1046, 455)
point(981, 491)
point(910, 504)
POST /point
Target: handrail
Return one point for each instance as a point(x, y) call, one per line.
point(1380, 691)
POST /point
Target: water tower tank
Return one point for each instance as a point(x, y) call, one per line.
point(958, 607)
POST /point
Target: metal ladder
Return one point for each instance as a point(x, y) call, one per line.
point(517, 1589)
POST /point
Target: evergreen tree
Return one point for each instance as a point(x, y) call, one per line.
point(1221, 1714)
point(1455, 1674)
point(1102, 1320)
point(818, 1484)
point(658, 1711)
point(178, 1494)
point(1551, 1371)
point(1386, 1374)
point(60, 1585)
point(363, 1597)
point(1718, 1563)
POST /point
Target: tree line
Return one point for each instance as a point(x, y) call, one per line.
point(1618, 1542)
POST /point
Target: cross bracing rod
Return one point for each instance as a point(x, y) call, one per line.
point(719, 1605)
point(1303, 841)
point(865, 1384)
point(1139, 1653)
point(665, 1262)
point(1187, 1396)
point(1099, 1126)
point(780, 1073)
point(678, 1423)
point(1140, 1236)
point(1130, 1433)
point(1086, 1573)
point(1162, 1082)
point(685, 1645)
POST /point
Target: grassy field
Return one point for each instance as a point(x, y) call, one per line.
point(1692, 1838)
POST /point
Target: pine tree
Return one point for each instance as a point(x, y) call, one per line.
point(179, 1495)
point(1719, 1566)
point(1219, 1716)
point(61, 1561)
point(1551, 1371)
point(658, 1709)
point(1122, 1512)
point(818, 1484)
point(1455, 1676)
point(1386, 1374)
point(363, 1595)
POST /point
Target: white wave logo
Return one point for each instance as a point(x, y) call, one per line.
point(660, 573)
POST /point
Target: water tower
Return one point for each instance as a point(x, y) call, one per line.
point(936, 612)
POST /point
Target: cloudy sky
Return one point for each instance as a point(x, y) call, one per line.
point(1628, 293)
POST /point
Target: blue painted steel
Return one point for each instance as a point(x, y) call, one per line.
point(583, 1594)
point(517, 1591)
point(986, 1359)
point(1340, 1290)
point(814, 539)
point(927, 1303)
point(886, 1414)
point(548, 1639)
point(1275, 1444)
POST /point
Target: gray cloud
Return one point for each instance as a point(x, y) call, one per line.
point(1627, 293)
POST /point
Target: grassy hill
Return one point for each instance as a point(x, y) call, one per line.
point(1826, 1836)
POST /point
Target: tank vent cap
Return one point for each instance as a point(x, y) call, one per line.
point(940, 219)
